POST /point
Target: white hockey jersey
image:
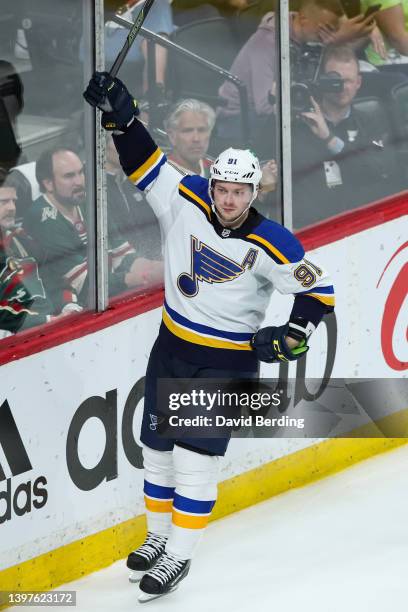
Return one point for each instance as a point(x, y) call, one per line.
point(218, 281)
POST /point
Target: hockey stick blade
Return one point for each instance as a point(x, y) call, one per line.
point(134, 31)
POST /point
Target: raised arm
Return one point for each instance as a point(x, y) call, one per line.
point(391, 23)
point(141, 159)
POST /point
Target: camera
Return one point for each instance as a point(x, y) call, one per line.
point(307, 82)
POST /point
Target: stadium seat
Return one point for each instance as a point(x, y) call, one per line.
point(211, 39)
point(399, 96)
point(183, 16)
point(379, 84)
point(374, 112)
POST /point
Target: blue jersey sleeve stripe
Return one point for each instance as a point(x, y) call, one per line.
point(158, 491)
point(205, 329)
point(324, 290)
point(153, 174)
point(185, 504)
point(144, 168)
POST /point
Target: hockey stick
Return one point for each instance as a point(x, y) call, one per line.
point(131, 37)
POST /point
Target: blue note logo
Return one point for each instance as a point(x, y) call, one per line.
point(209, 266)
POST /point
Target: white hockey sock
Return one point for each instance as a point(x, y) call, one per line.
point(158, 489)
point(195, 495)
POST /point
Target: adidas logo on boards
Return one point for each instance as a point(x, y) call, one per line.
point(27, 495)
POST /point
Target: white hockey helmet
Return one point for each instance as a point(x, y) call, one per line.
point(237, 165)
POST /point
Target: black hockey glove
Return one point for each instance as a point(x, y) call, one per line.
point(270, 345)
point(111, 96)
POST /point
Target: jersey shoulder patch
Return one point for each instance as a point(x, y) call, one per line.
point(277, 242)
point(41, 211)
point(195, 190)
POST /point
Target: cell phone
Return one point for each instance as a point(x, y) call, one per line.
point(372, 9)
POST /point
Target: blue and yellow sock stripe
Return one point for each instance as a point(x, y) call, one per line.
point(158, 498)
point(149, 170)
point(191, 513)
point(203, 334)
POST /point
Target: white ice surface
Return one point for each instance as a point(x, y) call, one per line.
point(338, 545)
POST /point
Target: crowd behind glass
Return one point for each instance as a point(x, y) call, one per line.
point(349, 113)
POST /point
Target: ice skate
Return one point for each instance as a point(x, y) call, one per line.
point(144, 558)
point(163, 578)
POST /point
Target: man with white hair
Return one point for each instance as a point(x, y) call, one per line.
point(189, 125)
point(222, 261)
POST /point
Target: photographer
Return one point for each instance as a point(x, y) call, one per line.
point(255, 64)
point(339, 158)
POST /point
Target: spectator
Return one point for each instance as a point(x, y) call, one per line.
point(340, 160)
point(355, 31)
point(392, 21)
point(24, 179)
point(56, 220)
point(255, 64)
point(23, 299)
point(320, 21)
point(189, 126)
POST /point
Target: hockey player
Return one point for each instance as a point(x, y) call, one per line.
point(222, 262)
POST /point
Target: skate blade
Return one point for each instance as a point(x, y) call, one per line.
point(135, 576)
point(145, 597)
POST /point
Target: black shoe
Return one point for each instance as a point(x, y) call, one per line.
point(163, 578)
point(143, 559)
